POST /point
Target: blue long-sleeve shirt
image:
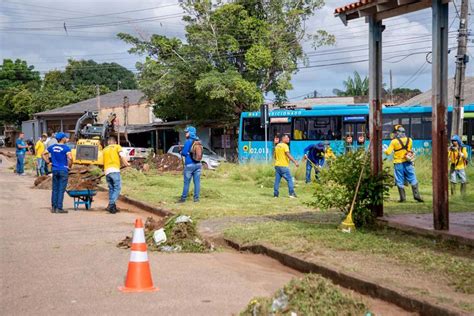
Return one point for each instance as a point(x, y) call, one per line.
point(315, 155)
point(186, 152)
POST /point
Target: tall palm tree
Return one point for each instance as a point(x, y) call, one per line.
point(354, 87)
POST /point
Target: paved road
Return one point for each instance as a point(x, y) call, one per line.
point(55, 264)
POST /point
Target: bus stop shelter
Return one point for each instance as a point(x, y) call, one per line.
point(374, 12)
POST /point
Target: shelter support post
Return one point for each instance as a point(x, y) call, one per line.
point(439, 115)
point(375, 99)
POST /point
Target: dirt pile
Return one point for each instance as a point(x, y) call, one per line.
point(162, 163)
point(181, 236)
point(80, 178)
point(7, 154)
point(168, 162)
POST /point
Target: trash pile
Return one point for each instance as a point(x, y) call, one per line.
point(176, 234)
point(162, 163)
point(80, 178)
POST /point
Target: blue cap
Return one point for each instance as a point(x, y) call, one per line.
point(190, 129)
point(60, 136)
point(320, 145)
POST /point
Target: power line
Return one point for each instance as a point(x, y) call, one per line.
point(97, 15)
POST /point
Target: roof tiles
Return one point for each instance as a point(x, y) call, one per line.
point(352, 5)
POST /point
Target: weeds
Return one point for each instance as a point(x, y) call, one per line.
point(311, 295)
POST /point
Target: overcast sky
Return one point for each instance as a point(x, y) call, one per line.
point(33, 30)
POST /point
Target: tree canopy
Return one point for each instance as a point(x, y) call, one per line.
point(234, 54)
point(23, 93)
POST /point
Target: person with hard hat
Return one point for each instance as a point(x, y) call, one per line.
point(404, 169)
point(457, 155)
point(59, 156)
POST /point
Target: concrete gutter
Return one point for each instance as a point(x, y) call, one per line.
point(352, 281)
point(145, 206)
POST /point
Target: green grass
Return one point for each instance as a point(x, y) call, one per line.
point(232, 190)
point(423, 173)
point(311, 295)
point(247, 190)
point(453, 263)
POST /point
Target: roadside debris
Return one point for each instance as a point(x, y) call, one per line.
point(80, 178)
point(176, 234)
point(162, 163)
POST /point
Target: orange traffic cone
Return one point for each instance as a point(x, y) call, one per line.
point(138, 274)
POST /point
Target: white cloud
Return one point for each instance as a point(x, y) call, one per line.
point(49, 49)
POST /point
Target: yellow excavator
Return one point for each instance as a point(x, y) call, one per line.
point(92, 138)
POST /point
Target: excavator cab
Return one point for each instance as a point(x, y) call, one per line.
point(91, 139)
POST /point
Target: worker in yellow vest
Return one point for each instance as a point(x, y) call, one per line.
point(39, 150)
point(457, 155)
point(404, 169)
point(114, 156)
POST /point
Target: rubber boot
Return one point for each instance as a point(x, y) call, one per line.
point(416, 193)
point(453, 188)
point(463, 189)
point(403, 195)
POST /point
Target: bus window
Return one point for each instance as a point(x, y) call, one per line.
point(416, 128)
point(300, 128)
point(426, 122)
point(252, 130)
point(279, 129)
point(388, 123)
point(317, 128)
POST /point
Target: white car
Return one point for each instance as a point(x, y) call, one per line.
point(210, 160)
point(133, 153)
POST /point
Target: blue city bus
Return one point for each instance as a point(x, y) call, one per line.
point(333, 123)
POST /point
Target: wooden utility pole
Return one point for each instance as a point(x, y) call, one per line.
point(98, 99)
point(461, 61)
point(439, 133)
point(375, 98)
point(391, 87)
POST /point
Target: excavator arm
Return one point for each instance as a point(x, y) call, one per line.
point(88, 115)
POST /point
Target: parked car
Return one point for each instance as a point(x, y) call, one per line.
point(210, 159)
point(133, 153)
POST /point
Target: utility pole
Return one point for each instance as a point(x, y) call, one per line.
point(391, 87)
point(461, 61)
point(98, 99)
point(126, 104)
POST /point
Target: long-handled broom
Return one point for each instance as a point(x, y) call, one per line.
point(348, 225)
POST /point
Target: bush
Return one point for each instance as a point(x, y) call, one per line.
point(338, 183)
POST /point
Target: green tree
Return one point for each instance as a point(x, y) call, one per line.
point(234, 53)
point(17, 73)
point(89, 72)
point(354, 86)
point(407, 91)
point(17, 80)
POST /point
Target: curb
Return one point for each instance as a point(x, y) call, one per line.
point(145, 206)
point(353, 282)
point(418, 231)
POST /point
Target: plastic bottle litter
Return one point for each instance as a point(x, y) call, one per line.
point(183, 219)
point(170, 248)
point(159, 236)
point(280, 302)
